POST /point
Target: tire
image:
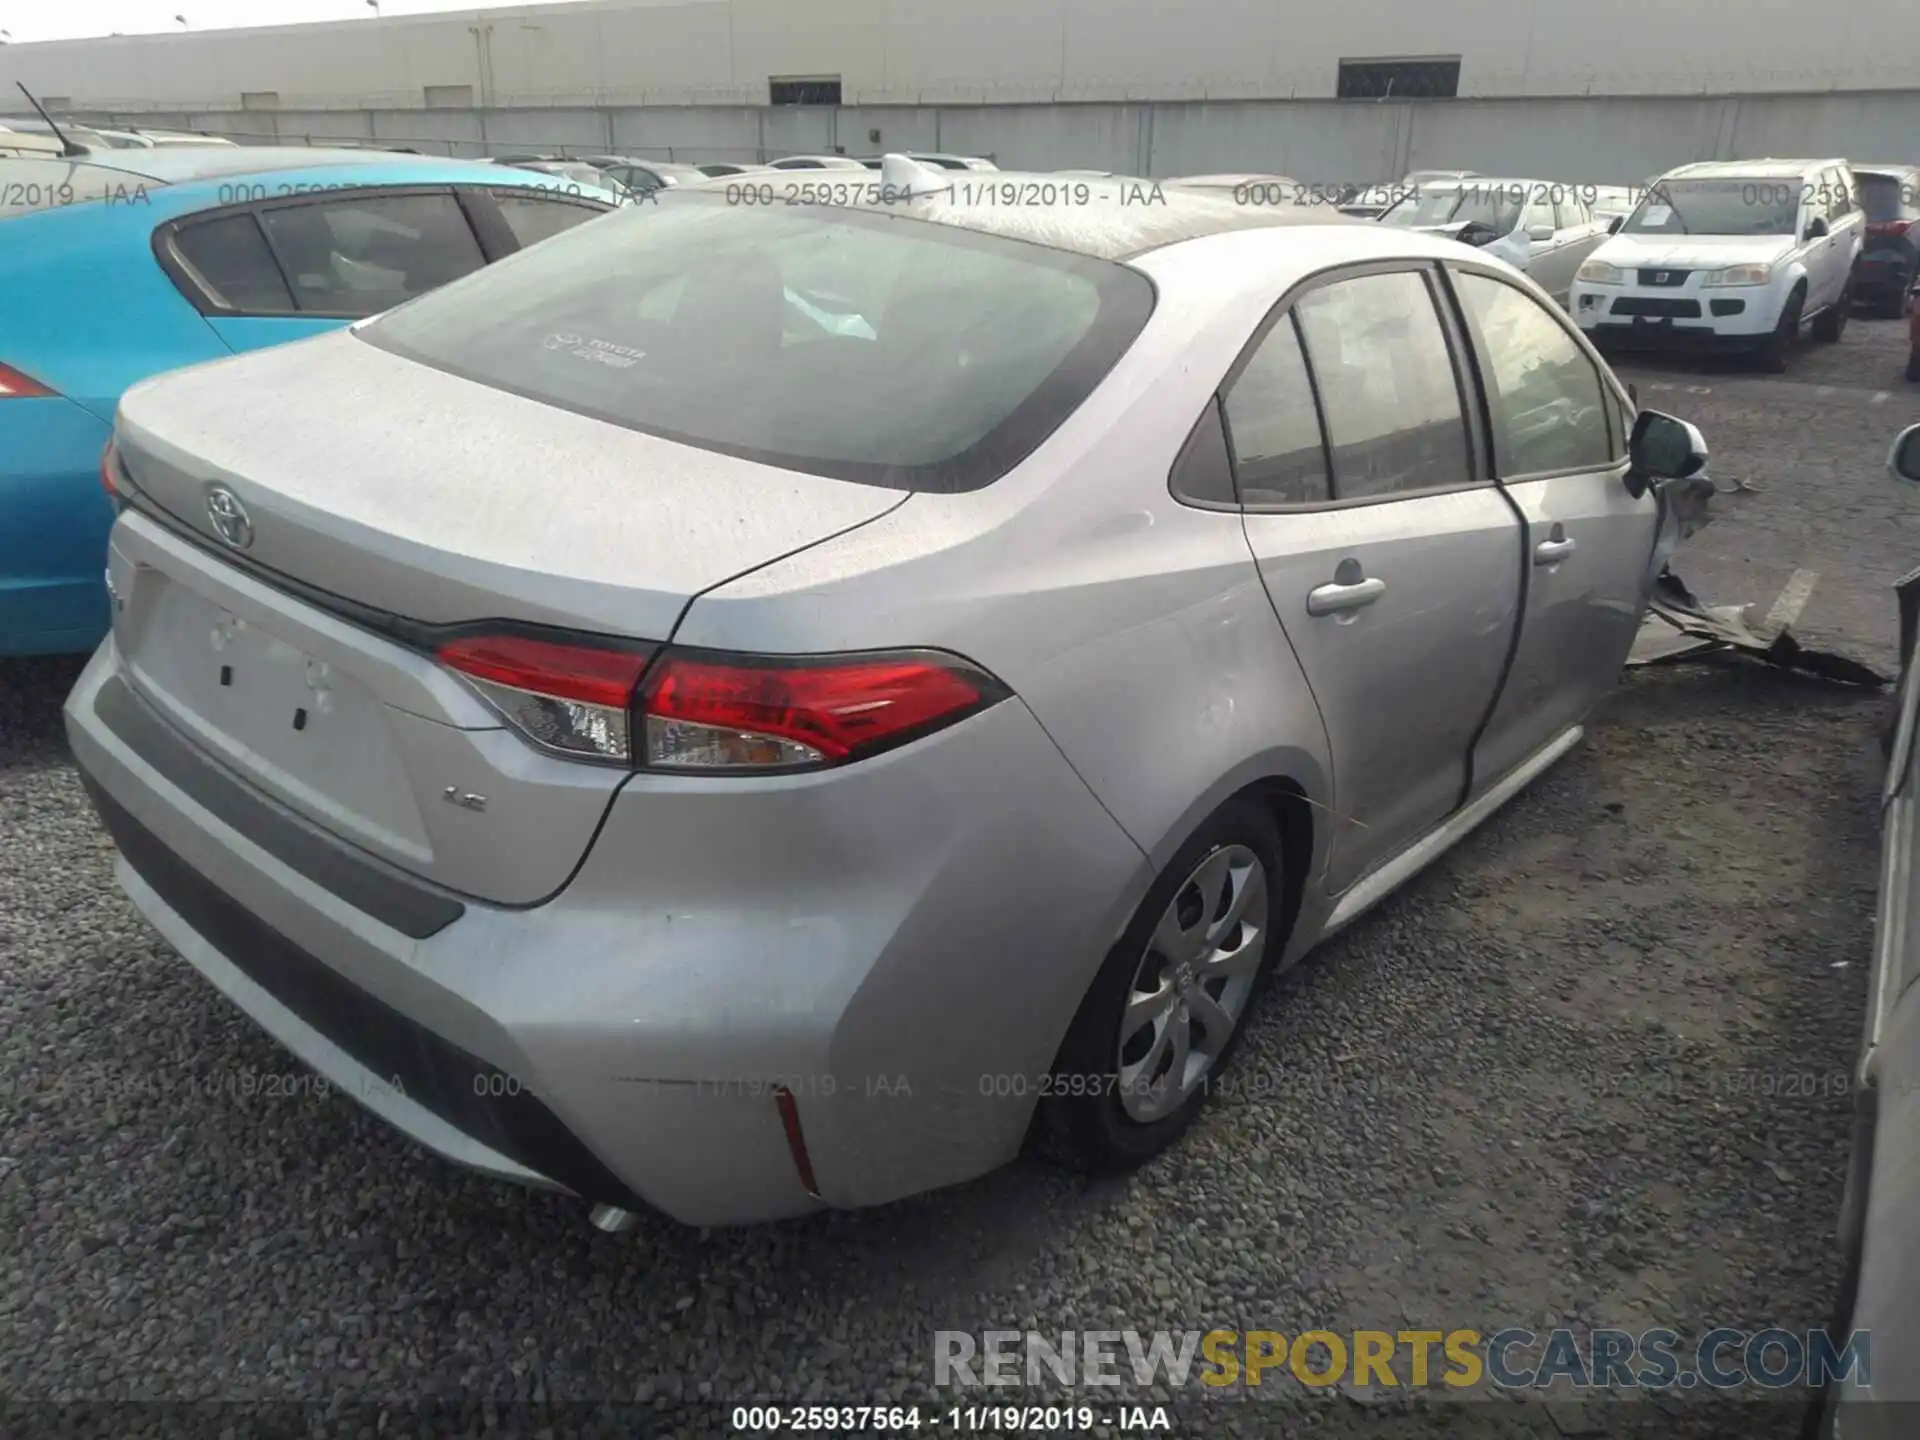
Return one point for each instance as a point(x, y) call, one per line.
point(1777, 352)
point(1830, 324)
point(1112, 1102)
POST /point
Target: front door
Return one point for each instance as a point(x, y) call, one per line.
point(1560, 452)
point(1393, 568)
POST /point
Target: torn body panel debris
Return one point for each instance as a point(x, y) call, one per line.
point(1679, 625)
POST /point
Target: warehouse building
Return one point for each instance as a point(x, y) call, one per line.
point(1605, 90)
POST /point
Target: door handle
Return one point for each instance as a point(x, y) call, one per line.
point(1551, 552)
point(1335, 598)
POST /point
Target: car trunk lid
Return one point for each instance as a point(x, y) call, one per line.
point(360, 501)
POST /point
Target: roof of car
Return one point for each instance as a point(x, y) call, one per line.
point(170, 165)
point(125, 189)
point(1111, 218)
point(1764, 169)
point(1870, 167)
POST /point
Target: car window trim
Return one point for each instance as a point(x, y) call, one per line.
point(1615, 443)
point(199, 291)
point(1426, 269)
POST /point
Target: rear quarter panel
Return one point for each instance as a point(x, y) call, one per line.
point(85, 307)
point(1133, 626)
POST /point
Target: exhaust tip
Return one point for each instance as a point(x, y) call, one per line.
point(612, 1219)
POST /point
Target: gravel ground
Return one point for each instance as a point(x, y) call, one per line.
point(1589, 1070)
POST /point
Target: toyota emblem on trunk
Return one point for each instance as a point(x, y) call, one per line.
point(230, 519)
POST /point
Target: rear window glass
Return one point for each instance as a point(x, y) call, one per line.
point(856, 344)
point(361, 255)
point(1885, 197)
point(231, 258)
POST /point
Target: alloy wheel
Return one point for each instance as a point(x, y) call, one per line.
point(1192, 983)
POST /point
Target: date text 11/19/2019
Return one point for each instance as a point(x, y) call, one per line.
point(958, 1419)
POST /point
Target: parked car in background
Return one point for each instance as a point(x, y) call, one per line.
point(184, 137)
point(1537, 226)
point(642, 177)
point(21, 144)
point(1611, 202)
point(84, 136)
point(1889, 263)
point(1879, 1227)
point(816, 162)
point(938, 161)
point(1913, 334)
point(1415, 178)
point(124, 263)
point(132, 138)
point(591, 177)
point(1024, 568)
point(715, 168)
point(1731, 255)
point(1248, 189)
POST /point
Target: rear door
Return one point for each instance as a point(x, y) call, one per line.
point(1559, 449)
point(265, 274)
point(1580, 235)
point(1393, 565)
point(1827, 258)
point(1849, 223)
point(1547, 259)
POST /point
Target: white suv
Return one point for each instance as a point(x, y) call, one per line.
point(1727, 255)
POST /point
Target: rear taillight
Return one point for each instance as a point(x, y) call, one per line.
point(17, 386)
point(699, 712)
point(567, 698)
point(107, 466)
point(735, 713)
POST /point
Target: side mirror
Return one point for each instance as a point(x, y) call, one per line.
point(1540, 232)
point(1816, 228)
point(1665, 448)
point(1903, 460)
point(1613, 225)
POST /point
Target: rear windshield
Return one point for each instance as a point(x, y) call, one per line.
point(1884, 196)
point(1718, 207)
point(858, 344)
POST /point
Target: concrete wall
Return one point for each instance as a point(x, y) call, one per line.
point(950, 52)
point(1610, 141)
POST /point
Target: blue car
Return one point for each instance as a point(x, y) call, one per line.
point(116, 266)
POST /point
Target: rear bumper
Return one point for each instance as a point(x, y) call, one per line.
point(1882, 272)
point(886, 942)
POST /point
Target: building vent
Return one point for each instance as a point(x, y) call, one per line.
point(803, 89)
point(449, 97)
point(1422, 79)
point(260, 100)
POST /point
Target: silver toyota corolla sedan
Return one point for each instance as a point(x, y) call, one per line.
point(739, 709)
